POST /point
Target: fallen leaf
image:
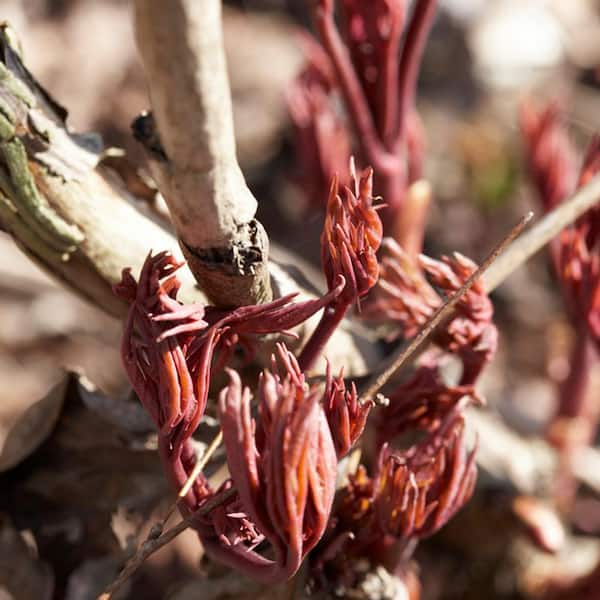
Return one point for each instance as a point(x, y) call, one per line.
point(26, 422)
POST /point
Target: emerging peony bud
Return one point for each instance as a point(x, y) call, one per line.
point(402, 299)
point(551, 157)
point(418, 491)
point(166, 349)
point(470, 333)
point(413, 494)
point(346, 413)
point(552, 161)
point(420, 404)
point(284, 469)
point(351, 237)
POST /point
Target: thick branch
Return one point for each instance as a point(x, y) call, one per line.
point(65, 210)
point(196, 169)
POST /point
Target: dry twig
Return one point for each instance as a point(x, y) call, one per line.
point(198, 468)
point(403, 354)
point(542, 232)
point(153, 544)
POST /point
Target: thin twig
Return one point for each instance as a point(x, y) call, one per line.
point(398, 358)
point(150, 546)
point(199, 466)
point(158, 528)
point(544, 230)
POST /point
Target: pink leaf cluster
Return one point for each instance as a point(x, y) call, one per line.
point(283, 455)
point(351, 236)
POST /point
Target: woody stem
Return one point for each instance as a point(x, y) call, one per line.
point(196, 168)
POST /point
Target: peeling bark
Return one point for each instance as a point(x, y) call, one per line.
point(63, 207)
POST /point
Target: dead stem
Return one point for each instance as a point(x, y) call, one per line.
point(398, 358)
point(199, 466)
point(158, 528)
point(150, 546)
point(544, 230)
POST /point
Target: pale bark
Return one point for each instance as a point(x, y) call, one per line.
point(192, 149)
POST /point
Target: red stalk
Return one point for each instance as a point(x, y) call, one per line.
point(418, 30)
point(356, 102)
point(331, 318)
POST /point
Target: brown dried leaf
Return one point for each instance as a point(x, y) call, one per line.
point(126, 414)
point(26, 422)
point(69, 490)
point(94, 463)
point(92, 577)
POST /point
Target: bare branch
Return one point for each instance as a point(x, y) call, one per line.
point(152, 544)
point(193, 149)
point(542, 232)
point(403, 354)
